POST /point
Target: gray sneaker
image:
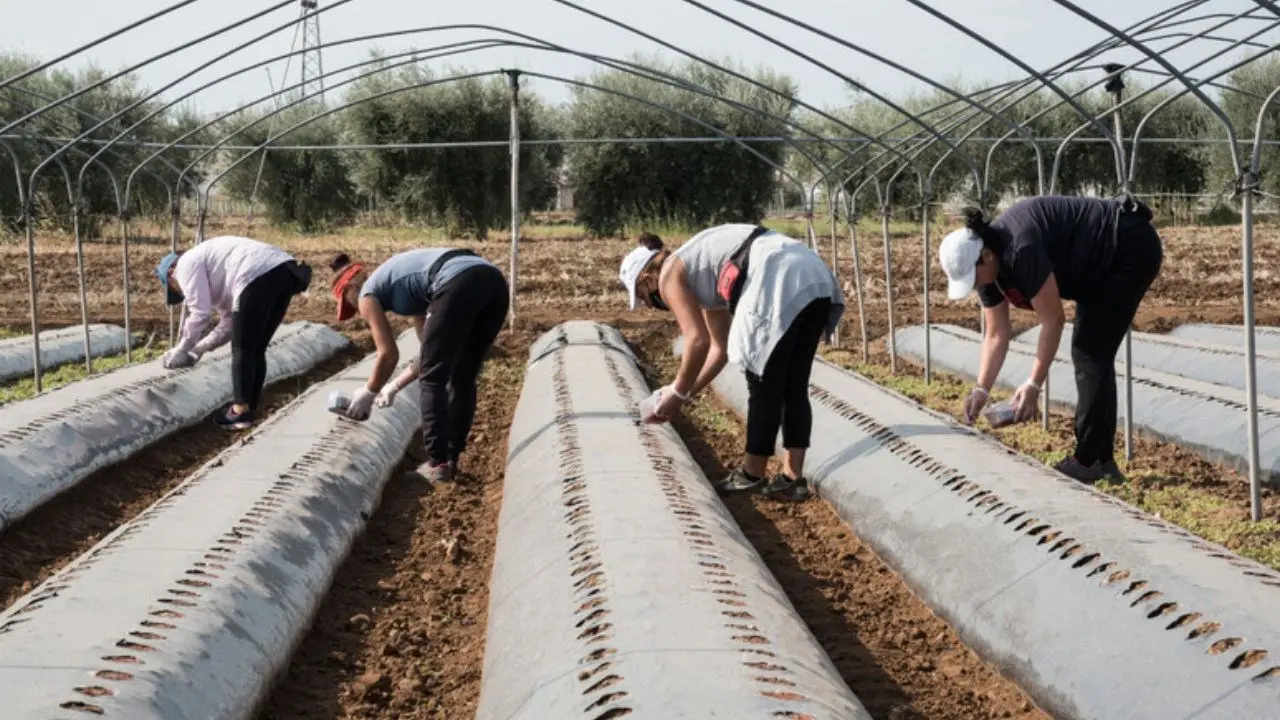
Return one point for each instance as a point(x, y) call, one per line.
point(435, 473)
point(1090, 474)
point(738, 481)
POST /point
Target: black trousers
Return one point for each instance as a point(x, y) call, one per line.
point(780, 395)
point(464, 319)
point(1104, 314)
point(258, 313)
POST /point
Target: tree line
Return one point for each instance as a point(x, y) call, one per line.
point(618, 186)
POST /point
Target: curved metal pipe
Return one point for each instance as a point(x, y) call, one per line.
point(728, 71)
point(1160, 60)
point(845, 78)
point(416, 57)
point(181, 78)
point(132, 68)
point(6, 82)
point(1106, 133)
point(1137, 133)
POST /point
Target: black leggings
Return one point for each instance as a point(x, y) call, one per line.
point(780, 396)
point(1104, 313)
point(259, 310)
point(464, 319)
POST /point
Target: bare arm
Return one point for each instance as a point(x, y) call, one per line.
point(995, 344)
point(415, 366)
point(1048, 306)
point(718, 322)
point(693, 325)
point(384, 339)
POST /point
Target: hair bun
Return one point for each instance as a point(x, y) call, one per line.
point(974, 219)
point(340, 261)
point(650, 241)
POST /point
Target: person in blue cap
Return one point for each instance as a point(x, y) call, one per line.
point(249, 285)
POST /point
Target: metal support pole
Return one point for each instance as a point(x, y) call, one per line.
point(888, 288)
point(1250, 351)
point(513, 77)
point(928, 349)
point(851, 217)
point(124, 251)
point(28, 219)
point(84, 295)
point(1115, 86)
point(835, 255)
point(173, 247)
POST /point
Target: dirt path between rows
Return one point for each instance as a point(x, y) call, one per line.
point(901, 660)
point(63, 529)
point(401, 633)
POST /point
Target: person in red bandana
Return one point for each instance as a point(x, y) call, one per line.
point(457, 302)
point(1101, 252)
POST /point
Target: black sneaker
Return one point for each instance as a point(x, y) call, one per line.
point(784, 488)
point(231, 421)
point(1091, 474)
point(738, 481)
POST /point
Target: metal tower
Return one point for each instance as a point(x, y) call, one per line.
point(312, 64)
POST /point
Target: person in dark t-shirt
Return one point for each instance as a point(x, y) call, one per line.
point(1104, 254)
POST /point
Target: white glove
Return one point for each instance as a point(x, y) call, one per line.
point(177, 358)
point(974, 403)
point(361, 405)
point(388, 395)
point(1025, 401)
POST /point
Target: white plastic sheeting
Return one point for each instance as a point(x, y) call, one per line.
point(621, 585)
point(1206, 362)
point(58, 347)
point(1097, 610)
point(192, 610)
point(53, 441)
point(1267, 339)
point(1207, 419)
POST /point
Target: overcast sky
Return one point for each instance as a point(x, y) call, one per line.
point(1040, 32)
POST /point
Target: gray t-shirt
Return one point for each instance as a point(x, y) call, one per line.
point(400, 283)
point(705, 254)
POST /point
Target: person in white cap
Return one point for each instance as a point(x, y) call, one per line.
point(1101, 252)
point(764, 301)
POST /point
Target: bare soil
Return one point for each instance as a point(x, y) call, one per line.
point(900, 659)
point(401, 633)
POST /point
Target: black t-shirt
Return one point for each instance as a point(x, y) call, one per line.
point(1071, 237)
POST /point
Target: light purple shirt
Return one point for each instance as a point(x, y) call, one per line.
point(212, 275)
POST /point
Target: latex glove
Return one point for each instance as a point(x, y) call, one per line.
point(974, 403)
point(388, 395)
point(1025, 401)
point(667, 406)
point(361, 405)
point(177, 358)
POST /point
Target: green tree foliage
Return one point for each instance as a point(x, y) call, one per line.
point(1252, 84)
point(691, 184)
point(308, 189)
point(467, 190)
point(51, 198)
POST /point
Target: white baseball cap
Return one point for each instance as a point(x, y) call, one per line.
point(632, 266)
point(959, 256)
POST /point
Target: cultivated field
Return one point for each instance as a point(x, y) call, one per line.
point(401, 634)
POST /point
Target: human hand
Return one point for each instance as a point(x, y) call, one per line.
point(973, 404)
point(1025, 401)
point(667, 406)
point(388, 395)
point(361, 405)
point(177, 358)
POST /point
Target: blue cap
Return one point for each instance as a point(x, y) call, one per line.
point(171, 296)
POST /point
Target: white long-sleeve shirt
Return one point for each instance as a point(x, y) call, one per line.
point(211, 276)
